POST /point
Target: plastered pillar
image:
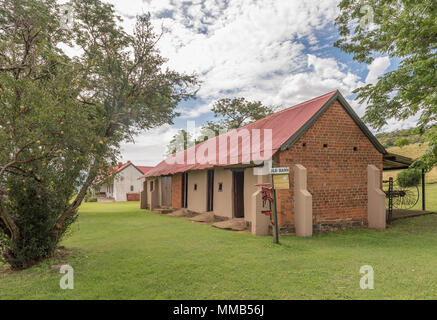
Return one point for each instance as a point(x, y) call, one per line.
point(260, 222)
point(376, 212)
point(303, 203)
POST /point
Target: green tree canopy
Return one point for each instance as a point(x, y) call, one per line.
point(406, 31)
point(232, 114)
point(62, 119)
point(180, 141)
point(236, 112)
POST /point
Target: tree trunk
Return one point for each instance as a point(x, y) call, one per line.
point(9, 222)
point(74, 205)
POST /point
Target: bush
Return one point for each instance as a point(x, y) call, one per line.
point(35, 209)
point(92, 199)
point(402, 142)
point(409, 178)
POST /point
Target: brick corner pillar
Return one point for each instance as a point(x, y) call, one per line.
point(376, 212)
point(303, 203)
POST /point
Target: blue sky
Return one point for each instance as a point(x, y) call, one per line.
point(277, 51)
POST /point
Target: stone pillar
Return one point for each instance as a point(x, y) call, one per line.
point(376, 212)
point(260, 222)
point(303, 203)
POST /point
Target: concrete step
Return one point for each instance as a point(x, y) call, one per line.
point(238, 224)
point(183, 213)
point(163, 210)
point(204, 217)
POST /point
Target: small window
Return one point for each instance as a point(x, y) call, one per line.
point(131, 188)
point(195, 187)
point(151, 186)
point(304, 144)
point(220, 187)
point(355, 149)
point(325, 145)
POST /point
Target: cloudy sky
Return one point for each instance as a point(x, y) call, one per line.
point(277, 51)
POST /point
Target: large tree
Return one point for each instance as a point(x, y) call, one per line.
point(62, 119)
point(231, 114)
point(406, 31)
point(236, 112)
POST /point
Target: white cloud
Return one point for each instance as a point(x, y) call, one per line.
point(376, 69)
point(252, 48)
point(149, 148)
point(323, 75)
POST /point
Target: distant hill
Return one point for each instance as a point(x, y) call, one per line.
point(408, 143)
point(400, 137)
point(414, 151)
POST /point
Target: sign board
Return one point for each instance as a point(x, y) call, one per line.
point(281, 181)
point(281, 170)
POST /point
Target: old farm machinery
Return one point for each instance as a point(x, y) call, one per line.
point(399, 198)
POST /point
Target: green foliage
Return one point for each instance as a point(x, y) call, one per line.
point(402, 142)
point(62, 119)
point(409, 178)
point(406, 31)
point(89, 197)
point(180, 141)
point(233, 113)
point(414, 135)
point(35, 209)
point(237, 112)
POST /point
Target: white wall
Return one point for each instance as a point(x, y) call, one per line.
point(197, 199)
point(106, 189)
point(123, 182)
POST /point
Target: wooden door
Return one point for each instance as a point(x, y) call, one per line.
point(238, 177)
point(166, 191)
point(185, 190)
point(210, 188)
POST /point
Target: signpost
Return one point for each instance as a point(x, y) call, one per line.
point(281, 181)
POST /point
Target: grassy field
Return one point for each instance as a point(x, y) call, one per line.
point(121, 252)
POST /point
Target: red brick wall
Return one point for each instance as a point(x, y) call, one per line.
point(337, 175)
point(133, 197)
point(176, 191)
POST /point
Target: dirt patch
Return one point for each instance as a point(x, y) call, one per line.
point(6, 269)
point(61, 254)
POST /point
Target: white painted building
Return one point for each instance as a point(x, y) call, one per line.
point(124, 185)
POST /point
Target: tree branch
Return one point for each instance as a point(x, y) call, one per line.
point(9, 222)
point(75, 204)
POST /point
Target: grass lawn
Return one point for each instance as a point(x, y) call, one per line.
point(121, 252)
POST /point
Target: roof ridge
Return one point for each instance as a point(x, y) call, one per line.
point(295, 117)
point(273, 115)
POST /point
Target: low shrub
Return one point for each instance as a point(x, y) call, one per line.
point(35, 209)
point(409, 178)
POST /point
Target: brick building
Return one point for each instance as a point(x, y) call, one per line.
point(324, 135)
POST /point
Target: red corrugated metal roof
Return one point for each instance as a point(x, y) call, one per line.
point(144, 169)
point(120, 167)
point(283, 124)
